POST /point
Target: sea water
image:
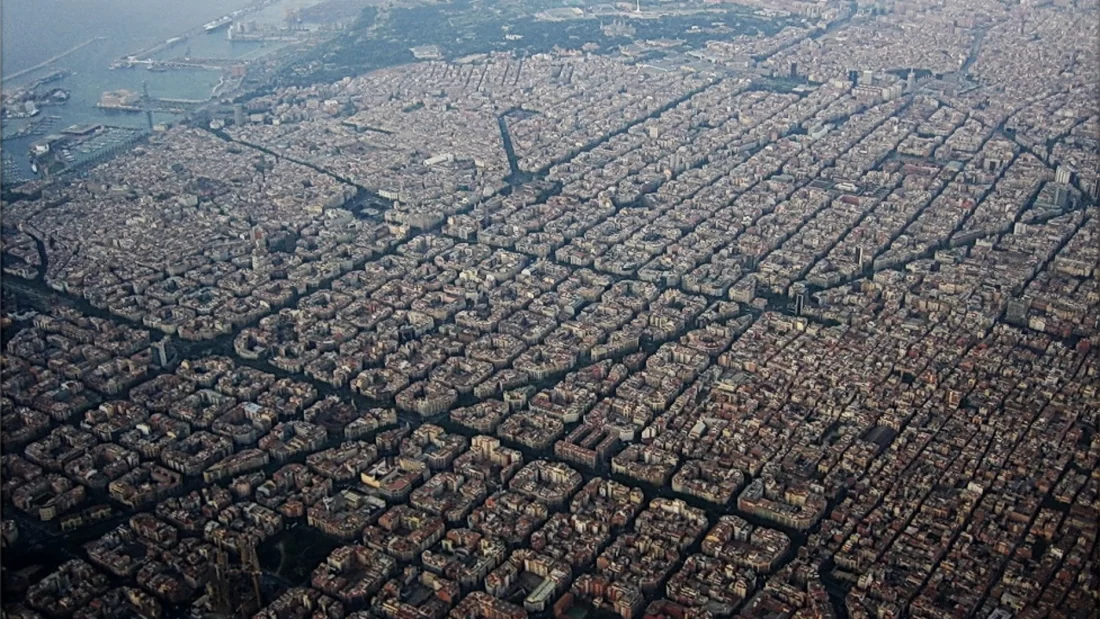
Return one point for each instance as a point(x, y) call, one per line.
point(36, 30)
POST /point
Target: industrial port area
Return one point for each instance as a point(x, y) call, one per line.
point(745, 309)
point(26, 112)
point(174, 53)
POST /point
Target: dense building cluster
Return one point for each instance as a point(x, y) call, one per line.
point(693, 345)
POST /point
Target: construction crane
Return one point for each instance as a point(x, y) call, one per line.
point(218, 589)
point(220, 592)
point(251, 559)
point(293, 19)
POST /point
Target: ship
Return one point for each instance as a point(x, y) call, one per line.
point(53, 77)
point(218, 23)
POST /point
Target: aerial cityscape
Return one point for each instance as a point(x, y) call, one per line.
point(448, 309)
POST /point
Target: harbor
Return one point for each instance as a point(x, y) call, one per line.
point(149, 59)
point(27, 101)
point(95, 144)
point(80, 74)
point(77, 147)
point(38, 126)
point(12, 173)
point(174, 71)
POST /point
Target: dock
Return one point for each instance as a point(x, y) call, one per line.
point(38, 126)
point(184, 64)
point(145, 56)
point(154, 104)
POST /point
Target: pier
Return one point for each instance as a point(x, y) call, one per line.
point(154, 104)
point(203, 64)
point(47, 62)
point(144, 57)
point(126, 101)
point(37, 126)
point(159, 47)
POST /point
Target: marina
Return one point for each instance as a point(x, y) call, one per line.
point(179, 66)
point(12, 174)
point(164, 37)
point(79, 146)
point(37, 126)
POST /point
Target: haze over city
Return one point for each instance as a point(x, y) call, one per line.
point(677, 309)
